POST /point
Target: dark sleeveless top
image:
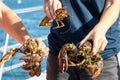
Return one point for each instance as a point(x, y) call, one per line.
point(86, 14)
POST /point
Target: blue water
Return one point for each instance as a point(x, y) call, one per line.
point(31, 20)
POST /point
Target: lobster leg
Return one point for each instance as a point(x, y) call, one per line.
point(59, 24)
point(9, 55)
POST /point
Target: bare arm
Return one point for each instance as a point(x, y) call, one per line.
point(12, 24)
point(97, 34)
point(110, 14)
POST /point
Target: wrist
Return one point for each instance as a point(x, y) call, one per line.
point(102, 27)
point(23, 41)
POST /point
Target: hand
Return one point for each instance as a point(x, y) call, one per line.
point(42, 47)
point(35, 50)
point(50, 6)
point(97, 35)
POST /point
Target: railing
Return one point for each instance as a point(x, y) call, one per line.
point(30, 9)
point(4, 52)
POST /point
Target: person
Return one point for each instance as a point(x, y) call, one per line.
point(12, 24)
point(96, 20)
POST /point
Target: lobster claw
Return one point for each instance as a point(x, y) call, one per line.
point(96, 68)
point(9, 55)
point(62, 60)
point(98, 72)
point(25, 58)
point(35, 71)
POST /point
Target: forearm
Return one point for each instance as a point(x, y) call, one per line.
point(12, 24)
point(110, 14)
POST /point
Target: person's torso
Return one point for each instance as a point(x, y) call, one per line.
point(85, 15)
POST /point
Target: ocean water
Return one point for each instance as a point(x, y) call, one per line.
point(31, 20)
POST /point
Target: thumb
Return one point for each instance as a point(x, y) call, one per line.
point(83, 41)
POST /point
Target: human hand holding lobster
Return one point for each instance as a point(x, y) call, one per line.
point(71, 55)
point(34, 51)
point(61, 14)
point(33, 61)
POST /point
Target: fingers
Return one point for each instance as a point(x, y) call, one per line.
point(56, 5)
point(42, 47)
point(99, 43)
point(96, 46)
point(50, 6)
point(102, 46)
point(46, 51)
point(88, 37)
point(84, 41)
point(99, 46)
point(49, 10)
